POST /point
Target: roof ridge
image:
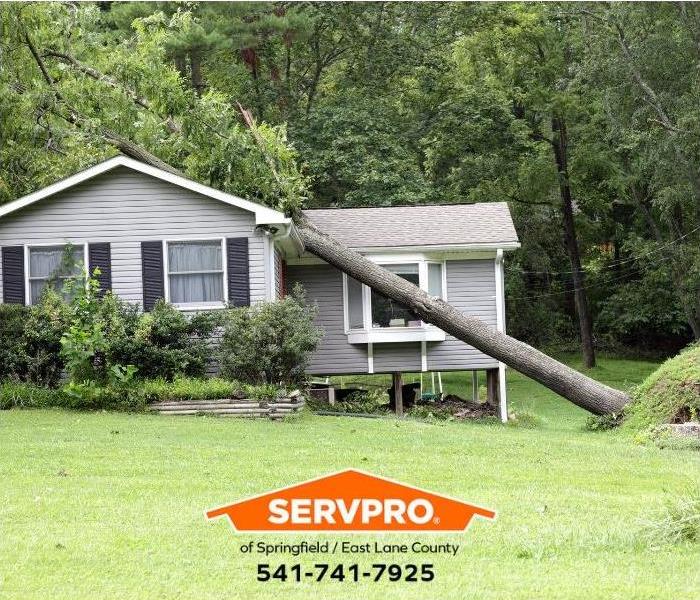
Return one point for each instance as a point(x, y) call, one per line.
point(442, 205)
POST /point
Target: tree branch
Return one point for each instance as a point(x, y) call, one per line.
point(93, 73)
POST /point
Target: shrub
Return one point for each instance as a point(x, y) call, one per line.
point(13, 360)
point(162, 343)
point(603, 422)
point(14, 394)
point(270, 342)
point(671, 393)
point(45, 326)
point(185, 389)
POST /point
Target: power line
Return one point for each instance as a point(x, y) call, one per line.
point(613, 265)
point(585, 287)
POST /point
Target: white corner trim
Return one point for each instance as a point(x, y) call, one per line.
point(423, 356)
point(501, 326)
point(269, 252)
point(370, 358)
point(503, 399)
point(500, 293)
point(263, 214)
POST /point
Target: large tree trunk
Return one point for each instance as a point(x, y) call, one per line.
point(560, 144)
point(576, 387)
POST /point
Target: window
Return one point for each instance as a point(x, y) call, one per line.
point(53, 266)
point(355, 311)
point(195, 272)
point(435, 280)
point(386, 312)
point(380, 311)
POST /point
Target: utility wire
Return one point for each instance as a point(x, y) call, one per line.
point(613, 265)
point(585, 287)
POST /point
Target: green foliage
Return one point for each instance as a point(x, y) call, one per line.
point(269, 343)
point(80, 396)
point(427, 412)
point(524, 419)
point(671, 393)
point(187, 388)
point(13, 318)
point(603, 422)
point(162, 343)
point(16, 394)
point(84, 339)
point(678, 522)
point(663, 437)
point(47, 322)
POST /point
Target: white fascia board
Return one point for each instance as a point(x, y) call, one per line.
point(263, 214)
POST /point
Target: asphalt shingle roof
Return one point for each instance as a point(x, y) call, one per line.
point(487, 223)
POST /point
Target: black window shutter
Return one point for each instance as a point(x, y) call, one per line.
point(100, 257)
point(152, 272)
point(237, 268)
point(13, 275)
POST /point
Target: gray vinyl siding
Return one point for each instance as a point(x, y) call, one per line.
point(324, 286)
point(124, 208)
point(471, 287)
point(403, 356)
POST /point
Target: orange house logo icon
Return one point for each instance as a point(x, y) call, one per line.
point(348, 501)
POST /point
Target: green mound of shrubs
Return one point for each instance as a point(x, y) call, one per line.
point(671, 394)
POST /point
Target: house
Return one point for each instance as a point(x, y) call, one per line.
point(158, 235)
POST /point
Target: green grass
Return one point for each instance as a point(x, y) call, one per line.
point(107, 505)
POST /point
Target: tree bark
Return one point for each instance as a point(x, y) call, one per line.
point(565, 381)
point(560, 145)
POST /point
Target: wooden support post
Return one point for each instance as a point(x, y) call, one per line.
point(475, 386)
point(492, 386)
point(398, 394)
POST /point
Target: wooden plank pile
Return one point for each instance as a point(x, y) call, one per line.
point(233, 407)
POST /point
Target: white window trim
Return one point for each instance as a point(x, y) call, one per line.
point(27, 276)
point(368, 334)
point(166, 274)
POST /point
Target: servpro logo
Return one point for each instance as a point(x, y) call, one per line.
point(350, 500)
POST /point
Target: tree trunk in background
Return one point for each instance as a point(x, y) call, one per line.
point(196, 72)
point(560, 144)
point(569, 383)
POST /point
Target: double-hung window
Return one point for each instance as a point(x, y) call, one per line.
point(367, 309)
point(53, 266)
point(195, 272)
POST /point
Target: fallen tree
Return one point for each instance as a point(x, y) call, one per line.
point(565, 381)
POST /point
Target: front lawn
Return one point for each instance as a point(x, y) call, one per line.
point(108, 505)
